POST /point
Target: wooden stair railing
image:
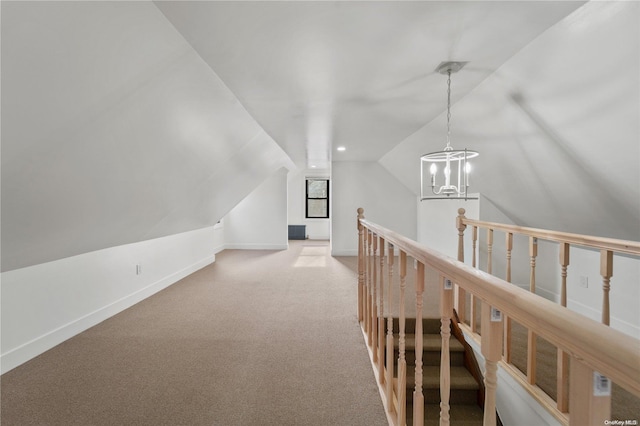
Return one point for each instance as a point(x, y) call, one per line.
point(595, 350)
point(607, 248)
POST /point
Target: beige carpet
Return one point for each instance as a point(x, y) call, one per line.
point(258, 338)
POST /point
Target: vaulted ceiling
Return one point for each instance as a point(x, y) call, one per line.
point(125, 121)
point(318, 75)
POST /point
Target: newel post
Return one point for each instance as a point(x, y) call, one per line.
point(461, 305)
point(360, 265)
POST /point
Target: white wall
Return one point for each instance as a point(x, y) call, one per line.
point(547, 267)
point(437, 224)
point(316, 229)
point(46, 304)
point(624, 294)
point(260, 220)
point(385, 200)
point(114, 130)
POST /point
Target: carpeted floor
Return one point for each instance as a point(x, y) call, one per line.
point(257, 338)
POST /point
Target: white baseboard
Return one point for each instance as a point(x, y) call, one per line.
point(596, 315)
point(256, 246)
point(39, 345)
point(549, 295)
point(589, 312)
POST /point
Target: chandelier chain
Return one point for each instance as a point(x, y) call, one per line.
point(449, 109)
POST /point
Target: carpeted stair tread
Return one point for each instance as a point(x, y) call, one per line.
point(460, 378)
point(429, 326)
point(460, 415)
point(464, 409)
point(431, 342)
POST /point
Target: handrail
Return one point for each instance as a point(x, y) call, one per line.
point(608, 247)
point(621, 246)
point(615, 355)
point(592, 347)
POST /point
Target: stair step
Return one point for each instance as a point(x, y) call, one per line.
point(429, 325)
point(460, 415)
point(464, 388)
point(432, 344)
point(463, 398)
point(460, 378)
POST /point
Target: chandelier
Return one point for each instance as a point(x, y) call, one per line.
point(457, 166)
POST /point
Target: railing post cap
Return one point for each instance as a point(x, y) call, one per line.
point(461, 211)
point(360, 210)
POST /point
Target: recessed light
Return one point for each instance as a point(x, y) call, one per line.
point(313, 167)
point(341, 148)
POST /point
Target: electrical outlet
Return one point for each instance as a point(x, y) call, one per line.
point(584, 282)
point(138, 269)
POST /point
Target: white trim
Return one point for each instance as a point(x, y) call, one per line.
point(547, 294)
point(252, 246)
point(596, 315)
point(39, 345)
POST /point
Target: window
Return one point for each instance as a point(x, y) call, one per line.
point(317, 199)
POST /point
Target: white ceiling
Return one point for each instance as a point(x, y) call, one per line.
point(318, 75)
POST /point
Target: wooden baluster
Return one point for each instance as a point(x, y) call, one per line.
point(606, 270)
point(533, 253)
point(474, 243)
point(590, 399)
point(418, 396)
point(446, 313)
point(381, 318)
point(462, 298)
point(374, 307)
point(365, 296)
point(509, 248)
point(489, 251)
point(491, 346)
point(402, 360)
point(360, 266)
point(369, 285)
point(564, 263)
point(390, 360)
point(563, 357)
point(531, 337)
point(507, 320)
point(472, 298)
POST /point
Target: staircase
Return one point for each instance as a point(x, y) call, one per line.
point(466, 391)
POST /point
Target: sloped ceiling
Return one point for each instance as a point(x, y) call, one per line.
point(318, 75)
point(114, 131)
point(124, 121)
point(557, 126)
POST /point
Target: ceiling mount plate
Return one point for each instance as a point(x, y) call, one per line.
point(452, 66)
